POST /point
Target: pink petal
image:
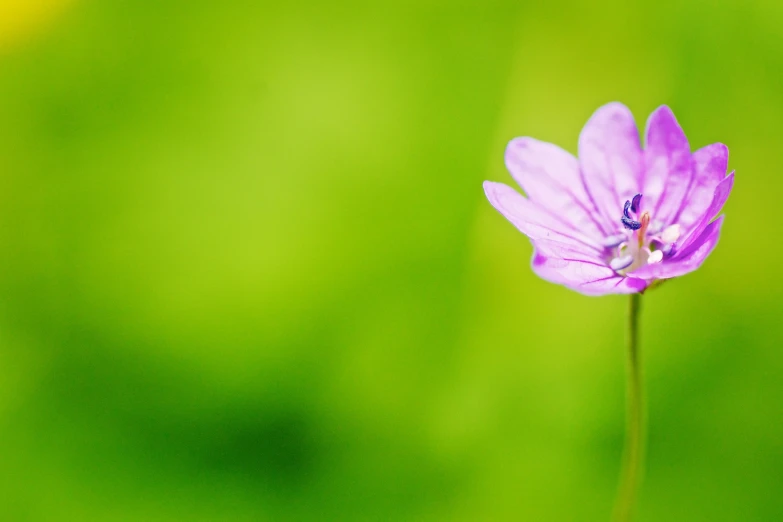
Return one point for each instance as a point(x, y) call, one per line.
point(615, 285)
point(688, 260)
point(611, 159)
point(550, 177)
point(719, 197)
point(557, 250)
point(709, 169)
point(584, 277)
point(537, 222)
point(667, 161)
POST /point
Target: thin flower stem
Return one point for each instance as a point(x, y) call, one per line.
point(633, 457)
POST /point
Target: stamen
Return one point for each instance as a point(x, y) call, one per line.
point(627, 220)
point(615, 241)
point(618, 263)
point(630, 223)
point(646, 247)
point(635, 203)
point(671, 234)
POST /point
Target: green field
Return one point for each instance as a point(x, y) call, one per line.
point(248, 271)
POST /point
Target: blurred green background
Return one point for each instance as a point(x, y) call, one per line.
point(248, 272)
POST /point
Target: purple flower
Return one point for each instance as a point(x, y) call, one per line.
point(620, 217)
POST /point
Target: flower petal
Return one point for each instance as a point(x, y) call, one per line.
point(537, 222)
point(667, 164)
point(719, 197)
point(615, 285)
point(553, 249)
point(611, 160)
point(584, 277)
point(550, 177)
point(687, 260)
point(709, 168)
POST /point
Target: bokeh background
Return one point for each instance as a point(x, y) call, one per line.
point(248, 272)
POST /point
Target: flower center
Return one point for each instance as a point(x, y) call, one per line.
point(642, 242)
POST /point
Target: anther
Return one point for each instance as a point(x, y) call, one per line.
point(671, 234)
point(615, 241)
point(630, 223)
point(655, 257)
point(627, 220)
point(635, 203)
point(618, 263)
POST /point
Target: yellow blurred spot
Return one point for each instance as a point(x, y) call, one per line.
point(22, 19)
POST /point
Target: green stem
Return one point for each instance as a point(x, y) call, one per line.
point(633, 457)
